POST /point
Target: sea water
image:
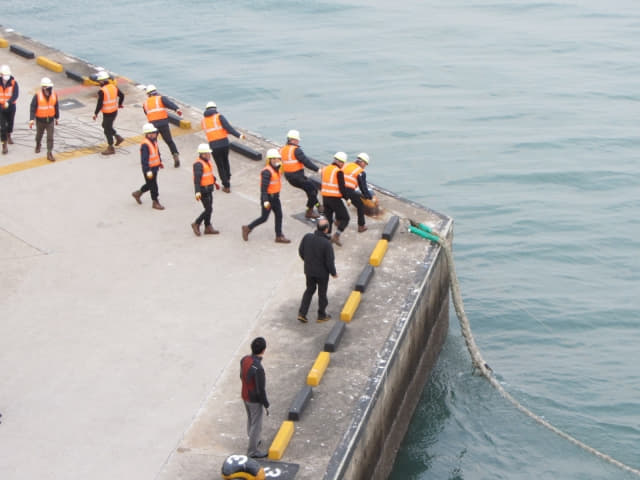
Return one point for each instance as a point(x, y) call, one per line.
point(517, 118)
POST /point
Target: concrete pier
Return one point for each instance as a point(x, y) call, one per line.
point(122, 331)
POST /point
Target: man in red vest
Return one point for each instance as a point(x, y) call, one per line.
point(45, 112)
point(110, 99)
point(254, 394)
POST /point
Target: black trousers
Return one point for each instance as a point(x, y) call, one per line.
point(356, 201)
point(299, 180)
point(6, 121)
point(336, 205)
point(151, 185)
point(274, 200)
point(165, 132)
point(207, 203)
point(221, 157)
point(107, 126)
point(45, 125)
point(322, 284)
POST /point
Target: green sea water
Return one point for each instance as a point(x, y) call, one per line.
point(517, 118)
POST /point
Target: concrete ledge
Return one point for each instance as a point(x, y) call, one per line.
point(300, 402)
point(390, 228)
point(317, 370)
point(350, 306)
point(49, 64)
point(23, 52)
point(281, 440)
point(334, 337)
point(378, 252)
point(364, 278)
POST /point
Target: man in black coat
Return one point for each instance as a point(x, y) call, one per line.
point(319, 262)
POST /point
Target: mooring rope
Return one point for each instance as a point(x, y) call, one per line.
point(478, 362)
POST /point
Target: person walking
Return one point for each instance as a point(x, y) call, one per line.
point(270, 186)
point(8, 97)
point(293, 162)
point(217, 128)
point(155, 107)
point(254, 394)
point(151, 162)
point(319, 262)
point(46, 112)
point(110, 99)
point(204, 181)
point(333, 190)
point(355, 180)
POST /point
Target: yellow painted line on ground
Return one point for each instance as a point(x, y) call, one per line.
point(81, 152)
point(281, 440)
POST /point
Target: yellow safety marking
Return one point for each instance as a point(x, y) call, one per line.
point(3, 43)
point(350, 306)
point(280, 442)
point(50, 64)
point(185, 124)
point(318, 369)
point(378, 253)
point(81, 152)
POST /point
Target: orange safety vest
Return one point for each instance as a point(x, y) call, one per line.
point(289, 161)
point(213, 128)
point(274, 184)
point(109, 98)
point(208, 178)
point(351, 172)
point(46, 106)
point(154, 153)
point(155, 109)
point(6, 92)
point(330, 187)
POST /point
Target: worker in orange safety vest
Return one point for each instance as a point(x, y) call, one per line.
point(110, 99)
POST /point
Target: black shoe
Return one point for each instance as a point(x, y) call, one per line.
point(323, 317)
point(302, 318)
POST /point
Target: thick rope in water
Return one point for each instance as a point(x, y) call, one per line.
point(481, 366)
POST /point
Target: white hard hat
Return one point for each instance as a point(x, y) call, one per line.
point(46, 82)
point(149, 128)
point(340, 156)
point(211, 105)
point(364, 157)
point(273, 153)
point(5, 70)
point(151, 88)
point(293, 134)
point(204, 148)
point(102, 75)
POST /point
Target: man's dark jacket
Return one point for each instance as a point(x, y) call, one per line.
point(317, 252)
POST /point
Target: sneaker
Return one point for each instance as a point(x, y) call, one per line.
point(302, 318)
point(323, 317)
point(245, 232)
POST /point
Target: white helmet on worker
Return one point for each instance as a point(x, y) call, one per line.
point(204, 148)
point(151, 88)
point(149, 128)
point(46, 82)
point(211, 105)
point(5, 70)
point(364, 157)
point(340, 156)
point(273, 153)
point(102, 75)
point(293, 135)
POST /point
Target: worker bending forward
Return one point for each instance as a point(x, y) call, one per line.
point(333, 190)
point(270, 186)
point(355, 180)
point(155, 107)
point(204, 182)
point(151, 163)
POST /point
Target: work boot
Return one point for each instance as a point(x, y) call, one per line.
point(362, 228)
point(137, 195)
point(209, 230)
point(119, 139)
point(50, 156)
point(282, 239)
point(9, 139)
point(156, 205)
point(335, 238)
point(245, 232)
point(37, 150)
point(311, 214)
point(226, 189)
point(323, 317)
point(320, 208)
point(176, 160)
point(302, 318)
point(196, 228)
point(109, 151)
point(4, 147)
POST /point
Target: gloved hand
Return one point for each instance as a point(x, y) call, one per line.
point(6, 104)
point(161, 165)
point(217, 185)
point(348, 202)
point(266, 205)
point(179, 112)
point(149, 174)
point(242, 136)
point(31, 123)
point(198, 196)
